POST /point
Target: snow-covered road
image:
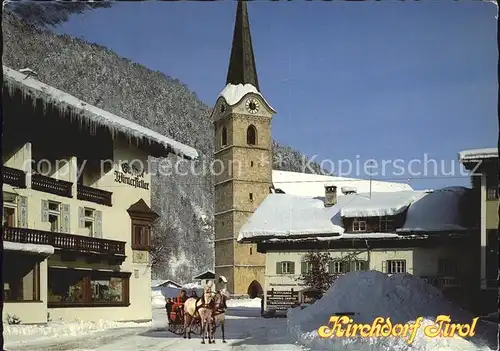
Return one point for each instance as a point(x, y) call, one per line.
point(245, 330)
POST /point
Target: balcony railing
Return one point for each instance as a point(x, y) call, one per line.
point(98, 196)
point(51, 185)
point(66, 242)
point(14, 177)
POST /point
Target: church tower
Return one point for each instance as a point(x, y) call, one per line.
point(243, 163)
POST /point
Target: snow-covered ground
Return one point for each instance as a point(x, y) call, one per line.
point(369, 295)
point(403, 298)
point(245, 330)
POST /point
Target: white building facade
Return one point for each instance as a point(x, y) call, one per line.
point(77, 207)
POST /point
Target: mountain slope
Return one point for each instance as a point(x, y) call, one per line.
point(100, 77)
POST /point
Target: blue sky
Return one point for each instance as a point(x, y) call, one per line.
point(350, 81)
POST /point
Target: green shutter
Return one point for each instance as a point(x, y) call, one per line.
point(292, 267)
point(278, 268)
point(22, 210)
point(65, 213)
point(98, 224)
point(303, 267)
point(45, 211)
point(81, 217)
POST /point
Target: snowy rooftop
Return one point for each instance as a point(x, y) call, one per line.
point(377, 204)
point(306, 184)
point(477, 154)
point(234, 93)
point(291, 217)
point(283, 215)
point(437, 211)
point(93, 114)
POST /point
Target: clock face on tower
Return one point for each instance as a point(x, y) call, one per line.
point(252, 105)
point(222, 108)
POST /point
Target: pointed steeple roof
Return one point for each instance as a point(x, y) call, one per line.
point(242, 62)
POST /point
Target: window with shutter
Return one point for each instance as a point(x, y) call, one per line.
point(98, 224)
point(141, 234)
point(22, 211)
point(45, 211)
point(292, 267)
point(278, 268)
point(66, 219)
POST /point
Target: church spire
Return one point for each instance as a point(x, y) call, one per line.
point(242, 62)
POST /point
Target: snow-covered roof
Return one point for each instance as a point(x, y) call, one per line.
point(234, 93)
point(377, 204)
point(93, 115)
point(45, 250)
point(291, 217)
point(307, 184)
point(158, 283)
point(439, 210)
point(284, 215)
point(477, 154)
point(208, 274)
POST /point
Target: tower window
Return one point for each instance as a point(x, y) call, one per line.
point(224, 136)
point(251, 163)
point(250, 251)
point(250, 195)
point(252, 135)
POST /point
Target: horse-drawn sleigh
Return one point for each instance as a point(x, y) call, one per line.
point(201, 316)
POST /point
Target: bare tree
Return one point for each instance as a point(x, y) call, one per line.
point(50, 13)
point(316, 273)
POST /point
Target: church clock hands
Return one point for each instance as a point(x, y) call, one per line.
point(252, 105)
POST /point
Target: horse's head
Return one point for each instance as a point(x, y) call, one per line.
point(219, 301)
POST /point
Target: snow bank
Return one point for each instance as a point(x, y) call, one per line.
point(369, 295)
point(244, 303)
point(19, 335)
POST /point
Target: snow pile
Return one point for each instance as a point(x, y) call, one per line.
point(369, 295)
point(440, 210)
point(244, 303)
point(17, 335)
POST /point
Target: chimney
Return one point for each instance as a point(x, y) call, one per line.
point(330, 195)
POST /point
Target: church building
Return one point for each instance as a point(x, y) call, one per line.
point(242, 126)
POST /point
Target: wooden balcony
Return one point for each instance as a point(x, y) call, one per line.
point(50, 185)
point(98, 196)
point(14, 177)
point(69, 243)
